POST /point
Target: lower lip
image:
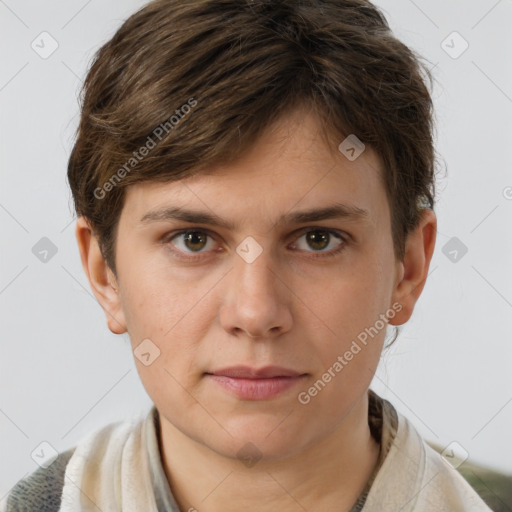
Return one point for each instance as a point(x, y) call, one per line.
point(256, 389)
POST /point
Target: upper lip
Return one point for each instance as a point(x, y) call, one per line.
point(246, 372)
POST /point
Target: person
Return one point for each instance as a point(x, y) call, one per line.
point(255, 186)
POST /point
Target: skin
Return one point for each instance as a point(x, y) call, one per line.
point(293, 306)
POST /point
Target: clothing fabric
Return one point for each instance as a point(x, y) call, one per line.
point(119, 468)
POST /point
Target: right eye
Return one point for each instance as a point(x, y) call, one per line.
point(190, 241)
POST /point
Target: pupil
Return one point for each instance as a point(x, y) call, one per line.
point(315, 239)
point(192, 236)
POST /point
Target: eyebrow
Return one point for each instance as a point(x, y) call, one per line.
point(335, 211)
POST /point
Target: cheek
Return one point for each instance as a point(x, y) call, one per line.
point(175, 328)
point(347, 318)
point(347, 356)
point(154, 300)
point(350, 300)
point(172, 314)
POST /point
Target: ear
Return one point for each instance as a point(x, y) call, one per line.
point(413, 271)
point(101, 278)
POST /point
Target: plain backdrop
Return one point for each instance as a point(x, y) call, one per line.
point(64, 375)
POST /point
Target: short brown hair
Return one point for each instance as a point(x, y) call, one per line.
point(238, 66)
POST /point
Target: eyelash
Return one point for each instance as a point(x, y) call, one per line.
point(319, 254)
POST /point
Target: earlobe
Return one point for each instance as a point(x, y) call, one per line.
point(413, 272)
point(100, 276)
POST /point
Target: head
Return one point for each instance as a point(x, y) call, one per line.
point(243, 112)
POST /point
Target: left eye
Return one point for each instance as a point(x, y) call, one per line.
point(320, 239)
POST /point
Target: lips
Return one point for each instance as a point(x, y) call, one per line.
point(246, 372)
point(247, 383)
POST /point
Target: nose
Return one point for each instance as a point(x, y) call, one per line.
point(257, 300)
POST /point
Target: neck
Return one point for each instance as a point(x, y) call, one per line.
point(329, 474)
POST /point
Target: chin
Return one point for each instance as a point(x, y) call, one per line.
point(268, 439)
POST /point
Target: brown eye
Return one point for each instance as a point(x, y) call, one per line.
point(319, 240)
point(189, 242)
point(195, 240)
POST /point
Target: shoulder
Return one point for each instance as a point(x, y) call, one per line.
point(439, 486)
point(41, 491)
point(444, 480)
point(413, 476)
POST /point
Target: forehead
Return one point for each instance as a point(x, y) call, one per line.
point(291, 167)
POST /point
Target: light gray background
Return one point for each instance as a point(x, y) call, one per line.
point(63, 374)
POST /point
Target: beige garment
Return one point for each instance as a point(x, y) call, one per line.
point(118, 468)
point(412, 476)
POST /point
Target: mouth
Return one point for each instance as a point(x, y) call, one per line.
point(248, 383)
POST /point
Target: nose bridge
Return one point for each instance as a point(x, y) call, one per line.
point(255, 302)
point(254, 264)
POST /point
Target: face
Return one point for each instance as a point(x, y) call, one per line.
point(272, 288)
